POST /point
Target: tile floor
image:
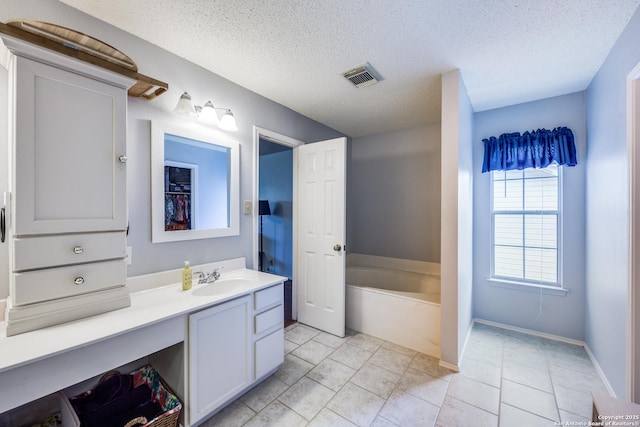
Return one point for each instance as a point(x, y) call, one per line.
point(507, 379)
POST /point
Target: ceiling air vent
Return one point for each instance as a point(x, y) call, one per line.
point(362, 76)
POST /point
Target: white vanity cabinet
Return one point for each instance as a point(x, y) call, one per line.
point(231, 346)
point(220, 356)
point(67, 222)
point(209, 349)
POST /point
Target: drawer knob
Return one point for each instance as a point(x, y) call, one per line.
point(79, 280)
point(123, 159)
point(78, 250)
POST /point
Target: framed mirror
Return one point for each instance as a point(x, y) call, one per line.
point(194, 184)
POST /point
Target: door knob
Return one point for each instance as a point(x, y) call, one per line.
point(337, 248)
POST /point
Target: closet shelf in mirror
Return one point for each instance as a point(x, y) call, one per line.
point(87, 49)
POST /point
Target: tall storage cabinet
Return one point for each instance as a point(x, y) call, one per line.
point(67, 222)
point(69, 134)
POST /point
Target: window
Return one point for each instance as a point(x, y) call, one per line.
point(525, 222)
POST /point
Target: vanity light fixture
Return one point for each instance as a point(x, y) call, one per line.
point(206, 113)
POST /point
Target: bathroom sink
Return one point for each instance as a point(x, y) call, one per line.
point(221, 286)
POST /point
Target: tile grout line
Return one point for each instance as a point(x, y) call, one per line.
point(346, 382)
point(553, 386)
point(405, 369)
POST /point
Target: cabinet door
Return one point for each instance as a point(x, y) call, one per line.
point(70, 131)
point(219, 356)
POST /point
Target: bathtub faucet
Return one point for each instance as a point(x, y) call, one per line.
point(208, 278)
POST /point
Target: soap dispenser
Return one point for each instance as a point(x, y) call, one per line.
point(187, 276)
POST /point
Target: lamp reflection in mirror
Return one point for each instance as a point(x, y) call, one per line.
point(206, 113)
point(263, 209)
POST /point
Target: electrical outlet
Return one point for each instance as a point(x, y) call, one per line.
point(246, 207)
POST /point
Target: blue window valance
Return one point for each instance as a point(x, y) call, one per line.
point(535, 149)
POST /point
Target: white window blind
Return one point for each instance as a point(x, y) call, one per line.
point(525, 222)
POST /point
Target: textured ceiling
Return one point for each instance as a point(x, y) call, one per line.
point(294, 51)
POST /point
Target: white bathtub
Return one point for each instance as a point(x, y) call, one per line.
point(395, 300)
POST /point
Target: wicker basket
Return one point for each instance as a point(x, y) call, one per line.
point(160, 393)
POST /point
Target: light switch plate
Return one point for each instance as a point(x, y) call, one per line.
point(246, 207)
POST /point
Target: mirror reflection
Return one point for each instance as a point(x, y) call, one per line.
point(194, 184)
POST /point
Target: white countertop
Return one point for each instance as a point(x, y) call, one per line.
point(148, 306)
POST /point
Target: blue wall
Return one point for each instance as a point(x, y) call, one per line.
point(561, 315)
point(212, 190)
point(608, 209)
point(276, 186)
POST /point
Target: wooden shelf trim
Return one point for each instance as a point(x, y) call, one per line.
point(145, 86)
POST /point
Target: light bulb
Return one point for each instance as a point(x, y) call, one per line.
point(208, 114)
point(228, 122)
point(184, 107)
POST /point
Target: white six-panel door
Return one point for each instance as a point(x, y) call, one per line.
point(322, 234)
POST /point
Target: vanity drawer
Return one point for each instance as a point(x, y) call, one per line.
point(269, 296)
point(51, 251)
point(42, 285)
point(269, 353)
point(269, 319)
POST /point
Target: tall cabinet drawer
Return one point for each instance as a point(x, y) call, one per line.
point(43, 285)
point(52, 251)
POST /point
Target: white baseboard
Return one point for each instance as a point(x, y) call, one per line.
point(600, 371)
point(466, 341)
point(596, 365)
point(530, 332)
point(449, 366)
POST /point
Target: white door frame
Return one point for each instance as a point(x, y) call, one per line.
point(633, 311)
point(281, 139)
point(322, 234)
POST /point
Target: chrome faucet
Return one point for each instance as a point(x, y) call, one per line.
point(208, 278)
